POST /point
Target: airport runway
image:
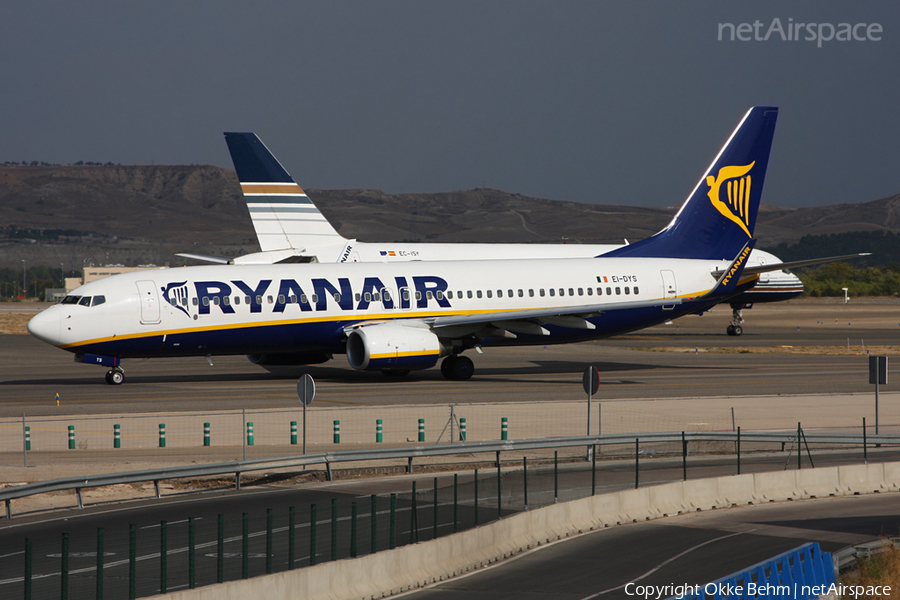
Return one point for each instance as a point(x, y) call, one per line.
point(33, 373)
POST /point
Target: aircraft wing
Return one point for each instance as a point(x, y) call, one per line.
point(795, 264)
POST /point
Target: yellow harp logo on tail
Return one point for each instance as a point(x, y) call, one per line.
point(737, 185)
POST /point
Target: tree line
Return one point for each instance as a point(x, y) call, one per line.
point(875, 275)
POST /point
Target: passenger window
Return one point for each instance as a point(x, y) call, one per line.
point(247, 300)
point(237, 299)
point(609, 291)
point(269, 299)
point(581, 291)
point(259, 299)
point(531, 293)
point(510, 293)
point(429, 295)
point(478, 293)
point(292, 299)
point(635, 290)
point(469, 294)
point(521, 294)
point(406, 295)
point(562, 292)
point(552, 292)
point(489, 294)
point(337, 297)
point(571, 292)
point(303, 299)
point(618, 292)
point(205, 301)
point(194, 301)
point(590, 291)
point(627, 290)
point(280, 298)
point(315, 298)
point(216, 300)
point(85, 301)
point(542, 292)
point(357, 296)
point(439, 295)
point(418, 295)
point(376, 296)
point(226, 300)
point(386, 295)
point(449, 295)
point(98, 300)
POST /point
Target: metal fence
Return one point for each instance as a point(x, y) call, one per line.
point(259, 433)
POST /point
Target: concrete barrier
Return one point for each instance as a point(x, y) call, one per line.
point(818, 483)
point(418, 565)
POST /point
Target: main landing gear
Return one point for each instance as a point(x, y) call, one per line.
point(457, 368)
point(115, 376)
point(737, 319)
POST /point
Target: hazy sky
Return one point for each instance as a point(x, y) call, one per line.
point(609, 101)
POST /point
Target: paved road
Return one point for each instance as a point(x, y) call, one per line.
point(694, 549)
point(32, 373)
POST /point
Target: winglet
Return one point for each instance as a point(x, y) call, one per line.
point(728, 281)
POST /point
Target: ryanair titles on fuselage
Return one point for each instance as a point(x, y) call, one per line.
point(424, 288)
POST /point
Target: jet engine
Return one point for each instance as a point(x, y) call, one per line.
point(390, 346)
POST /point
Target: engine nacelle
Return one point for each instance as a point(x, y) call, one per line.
point(392, 346)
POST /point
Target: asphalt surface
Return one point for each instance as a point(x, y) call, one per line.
point(32, 372)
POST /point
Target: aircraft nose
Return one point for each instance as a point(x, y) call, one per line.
point(45, 325)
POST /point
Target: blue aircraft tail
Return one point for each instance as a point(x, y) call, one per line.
point(720, 214)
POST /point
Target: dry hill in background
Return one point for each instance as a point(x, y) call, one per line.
point(145, 214)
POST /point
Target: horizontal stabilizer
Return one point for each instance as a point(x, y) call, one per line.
point(217, 260)
point(795, 264)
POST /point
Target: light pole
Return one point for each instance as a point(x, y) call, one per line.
point(24, 286)
point(62, 275)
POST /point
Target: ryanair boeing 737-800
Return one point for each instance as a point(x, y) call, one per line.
point(395, 317)
point(291, 228)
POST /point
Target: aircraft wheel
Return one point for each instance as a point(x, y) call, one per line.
point(738, 330)
point(463, 368)
point(730, 330)
point(447, 367)
point(108, 378)
point(395, 372)
point(115, 377)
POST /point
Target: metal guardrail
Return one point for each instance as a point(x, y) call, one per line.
point(328, 458)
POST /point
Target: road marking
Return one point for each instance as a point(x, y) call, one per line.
point(665, 562)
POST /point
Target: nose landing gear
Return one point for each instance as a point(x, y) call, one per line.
point(115, 376)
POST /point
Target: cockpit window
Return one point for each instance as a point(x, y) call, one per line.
point(85, 301)
point(98, 300)
point(71, 300)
